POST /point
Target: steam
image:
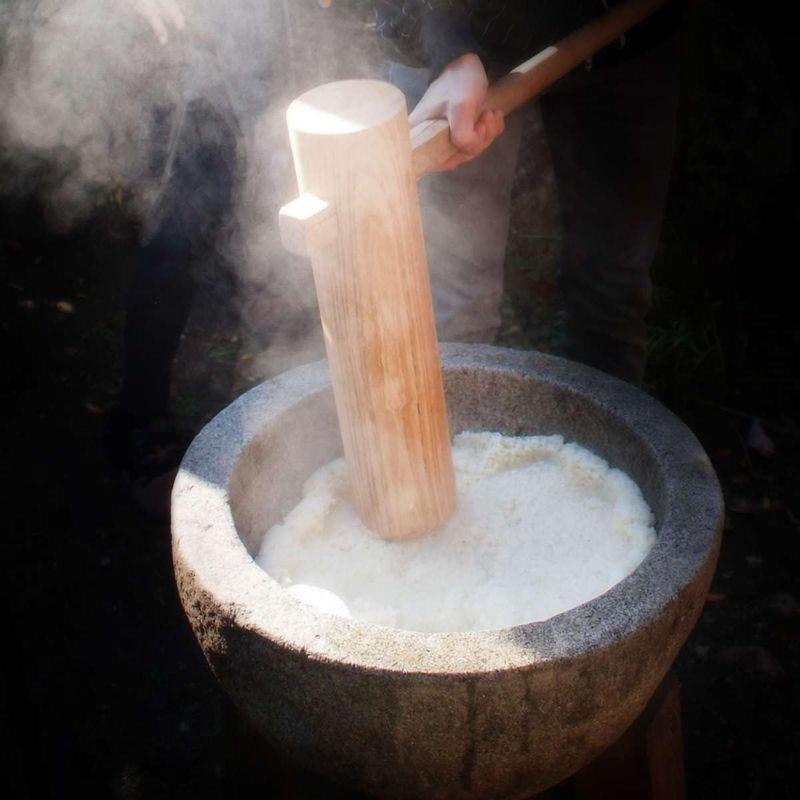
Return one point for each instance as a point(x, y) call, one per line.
point(78, 79)
point(82, 82)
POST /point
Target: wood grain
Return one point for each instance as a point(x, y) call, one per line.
point(351, 150)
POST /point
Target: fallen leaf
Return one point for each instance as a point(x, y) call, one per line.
point(65, 307)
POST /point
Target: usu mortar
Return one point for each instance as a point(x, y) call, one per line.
point(398, 714)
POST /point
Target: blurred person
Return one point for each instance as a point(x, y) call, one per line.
point(610, 128)
point(230, 82)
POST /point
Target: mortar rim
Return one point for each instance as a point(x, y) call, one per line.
point(207, 544)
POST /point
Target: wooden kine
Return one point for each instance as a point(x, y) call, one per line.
point(358, 220)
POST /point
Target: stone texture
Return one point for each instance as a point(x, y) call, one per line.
point(399, 714)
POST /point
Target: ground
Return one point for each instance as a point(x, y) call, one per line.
point(106, 691)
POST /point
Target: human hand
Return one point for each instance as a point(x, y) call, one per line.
point(160, 14)
point(458, 95)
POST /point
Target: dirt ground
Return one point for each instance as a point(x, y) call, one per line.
point(105, 691)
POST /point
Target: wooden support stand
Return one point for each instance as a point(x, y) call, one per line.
point(358, 220)
point(647, 761)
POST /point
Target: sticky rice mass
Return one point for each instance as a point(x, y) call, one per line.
point(540, 526)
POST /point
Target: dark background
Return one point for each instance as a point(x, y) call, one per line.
point(105, 691)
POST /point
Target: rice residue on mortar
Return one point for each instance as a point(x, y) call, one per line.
point(540, 527)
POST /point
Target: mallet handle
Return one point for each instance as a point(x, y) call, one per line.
point(430, 140)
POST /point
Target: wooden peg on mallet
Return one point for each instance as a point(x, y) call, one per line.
point(358, 219)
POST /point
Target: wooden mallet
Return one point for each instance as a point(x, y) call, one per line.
point(358, 219)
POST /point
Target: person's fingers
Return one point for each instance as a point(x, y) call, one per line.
point(481, 132)
point(464, 133)
point(454, 161)
point(495, 125)
point(492, 128)
point(492, 122)
point(489, 126)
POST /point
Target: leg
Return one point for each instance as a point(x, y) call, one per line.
point(196, 201)
point(611, 132)
point(465, 217)
point(198, 192)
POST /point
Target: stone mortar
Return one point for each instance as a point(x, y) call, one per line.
point(398, 714)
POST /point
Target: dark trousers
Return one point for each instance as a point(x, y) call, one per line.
point(610, 131)
point(193, 208)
